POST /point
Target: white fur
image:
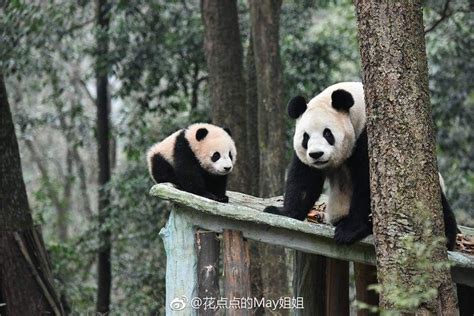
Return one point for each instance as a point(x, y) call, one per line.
point(346, 128)
point(217, 140)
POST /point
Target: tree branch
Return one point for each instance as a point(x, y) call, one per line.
point(446, 13)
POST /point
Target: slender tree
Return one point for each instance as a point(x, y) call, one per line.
point(104, 275)
point(26, 283)
point(403, 170)
point(265, 22)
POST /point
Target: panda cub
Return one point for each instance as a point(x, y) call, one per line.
point(330, 142)
point(197, 159)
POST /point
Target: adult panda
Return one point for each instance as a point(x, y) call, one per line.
point(330, 142)
point(197, 159)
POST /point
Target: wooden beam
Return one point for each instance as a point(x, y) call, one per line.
point(207, 249)
point(365, 275)
point(337, 287)
point(309, 282)
point(236, 270)
point(243, 212)
point(181, 262)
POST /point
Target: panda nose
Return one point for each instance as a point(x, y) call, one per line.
point(227, 168)
point(316, 154)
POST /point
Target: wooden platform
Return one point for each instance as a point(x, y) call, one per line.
point(244, 213)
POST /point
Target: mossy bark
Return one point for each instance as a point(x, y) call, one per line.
point(403, 170)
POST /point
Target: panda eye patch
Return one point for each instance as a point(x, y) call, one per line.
point(305, 140)
point(329, 136)
point(215, 157)
point(230, 155)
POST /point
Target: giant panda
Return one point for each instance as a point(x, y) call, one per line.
point(197, 159)
point(330, 142)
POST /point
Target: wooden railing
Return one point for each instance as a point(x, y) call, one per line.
point(321, 268)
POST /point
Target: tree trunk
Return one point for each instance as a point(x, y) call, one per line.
point(264, 17)
point(404, 183)
point(26, 283)
point(104, 276)
point(223, 51)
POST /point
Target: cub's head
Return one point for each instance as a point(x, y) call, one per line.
point(213, 147)
point(324, 135)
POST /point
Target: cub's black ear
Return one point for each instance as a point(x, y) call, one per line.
point(342, 100)
point(228, 131)
point(296, 107)
point(201, 133)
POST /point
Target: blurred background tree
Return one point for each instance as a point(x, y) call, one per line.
point(159, 82)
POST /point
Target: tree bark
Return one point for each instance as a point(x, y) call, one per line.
point(104, 275)
point(223, 51)
point(26, 283)
point(405, 190)
point(264, 18)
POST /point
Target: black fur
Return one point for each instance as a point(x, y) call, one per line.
point(357, 224)
point(201, 134)
point(296, 107)
point(228, 131)
point(188, 174)
point(303, 188)
point(450, 225)
point(342, 100)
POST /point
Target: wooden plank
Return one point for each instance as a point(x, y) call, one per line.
point(337, 287)
point(181, 262)
point(245, 211)
point(309, 282)
point(365, 275)
point(236, 270)
point(207, 249)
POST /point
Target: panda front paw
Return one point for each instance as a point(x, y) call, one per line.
point(222, 199)
point(273, 210)
point(349, 231)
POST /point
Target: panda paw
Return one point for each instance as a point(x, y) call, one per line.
point(222, 199)
point(273, 210)
point(349, 231)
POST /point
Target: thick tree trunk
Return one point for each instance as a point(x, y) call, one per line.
point(25, 279)
point(223, 51)
point(104, 275)
point(403, 170)
point(264, 17)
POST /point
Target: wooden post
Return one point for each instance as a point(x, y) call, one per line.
point(236, 270)
point(207, 249)
point(181, 261)
point(466, 300)
point(309, 282)
point(365, 275)
point(337, 287)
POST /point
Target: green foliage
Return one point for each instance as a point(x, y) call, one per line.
point(416, 255)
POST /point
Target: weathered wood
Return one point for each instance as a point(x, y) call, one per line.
point(181, 262)
point(236, 269)
point(337, 287)
point(309, 282)
point(207, 250)
point(243, 213)
point(466, 300)
point(365, 275)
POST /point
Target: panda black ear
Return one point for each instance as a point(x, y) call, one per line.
point(296, 107)
point(201, 133)
point(228, 131)
point(342, 100)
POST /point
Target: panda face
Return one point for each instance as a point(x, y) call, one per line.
point(213, 147)
point(324, 137)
